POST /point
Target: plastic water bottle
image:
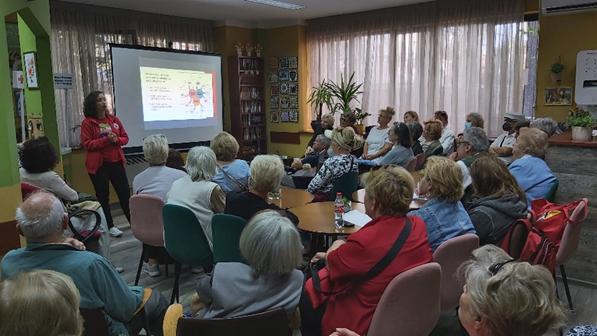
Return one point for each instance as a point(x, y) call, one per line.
point(338, 211)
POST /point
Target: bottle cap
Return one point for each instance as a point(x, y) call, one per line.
point(339, 194)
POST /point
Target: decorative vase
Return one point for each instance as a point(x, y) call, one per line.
point(582, 133)
point(258, 53)
point(557, 77)
point(239, 52)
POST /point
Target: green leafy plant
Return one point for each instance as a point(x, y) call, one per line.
point(557, 67)
point(580, 118)
point(345, 93)
point(321, 96)
point(360, 115)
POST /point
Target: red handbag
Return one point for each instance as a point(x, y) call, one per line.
point(551, 218)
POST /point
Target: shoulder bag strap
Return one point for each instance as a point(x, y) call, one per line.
point(379, 267)
point(240, 185)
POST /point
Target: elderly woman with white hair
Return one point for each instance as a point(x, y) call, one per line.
point(547, 125)
point(156, 180)
point(272, 248)
point(196, 191)
point(266, 175)
point(492, 278)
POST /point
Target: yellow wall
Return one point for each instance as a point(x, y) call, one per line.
point(562, 36)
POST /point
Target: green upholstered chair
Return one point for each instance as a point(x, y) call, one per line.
point(346, 184)
point(226, 231)
point(439, 151)
point(185, 241)
point(551, 194)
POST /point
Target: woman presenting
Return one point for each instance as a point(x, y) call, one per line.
point(102, 136)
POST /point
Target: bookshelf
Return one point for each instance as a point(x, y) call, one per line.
point(247, 104)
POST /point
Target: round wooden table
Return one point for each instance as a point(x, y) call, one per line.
point(290, 198)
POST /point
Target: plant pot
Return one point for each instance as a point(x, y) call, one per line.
point(249, 53)
point(360, 127)
point(258, 53)
point(582, 133)
point(239, 52)
point(557, 77)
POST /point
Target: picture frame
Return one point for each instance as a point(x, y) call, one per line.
point(283, 62)
point(283, 75)
point(293, 116)
point(284, 102)
point(293, 75)
point(556, 96)
point(273, 62)
point(293, 89)
point(293, 62)
point(284, 116)
point(273, 78)
point(294, 104)
point(30, 69)
point(274, 102)
point(284, 88)
point(274, 117)
point(274, 90)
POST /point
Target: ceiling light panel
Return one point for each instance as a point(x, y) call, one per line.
point(278, 4)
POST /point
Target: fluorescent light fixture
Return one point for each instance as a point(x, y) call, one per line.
point(279, 4)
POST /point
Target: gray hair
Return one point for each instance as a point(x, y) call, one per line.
point(41, 216)
point(201, 164)
point(266, 173)
point(324, 140)
point(547, 125)
point(155, 149)
point(271, 244)
point(477, 138)
point(536, 309)
point(476, 119)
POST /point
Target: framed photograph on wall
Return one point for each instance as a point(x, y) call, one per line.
point(561, 95)
point(31, 70)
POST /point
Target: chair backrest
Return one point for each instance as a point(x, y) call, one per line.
point(518, 237)
point(411, 164)
point(147, 224)
point(410, 305)
point(551, 194)
point(27, 189)
point(270, 323)
point(184, 238)
point(571, 235)
point(450, 255)
point(346, 184)
point(94, 322)
point(420, 161)
point(438, 151)
point(226, 231)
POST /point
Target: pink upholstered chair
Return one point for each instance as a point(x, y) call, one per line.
point(450, 255)
point(147, 224)
point(420, 161)
point(569, 243)
point(410, 304)
point(27, 189)
point(411, 164)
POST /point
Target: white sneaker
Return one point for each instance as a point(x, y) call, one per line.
point(119, 269)
point(152, 270)
point(197, 270)
point(115, 232)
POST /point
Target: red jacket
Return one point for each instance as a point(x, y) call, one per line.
point(97, 146)
point(354, 308)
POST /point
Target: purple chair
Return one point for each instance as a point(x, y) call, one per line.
point(410, 304)
point(411, 164)
point(450, 255)
point(420, 161)
point(147, 224)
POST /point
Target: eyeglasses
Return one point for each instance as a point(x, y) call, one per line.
point(462, 142)
point(493, 269)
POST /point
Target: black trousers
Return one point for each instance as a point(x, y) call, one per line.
point(310, 317)
point(112, 172)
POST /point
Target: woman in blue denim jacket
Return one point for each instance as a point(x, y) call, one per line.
point(443, 214)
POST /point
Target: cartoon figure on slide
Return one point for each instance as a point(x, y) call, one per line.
point(195, 96)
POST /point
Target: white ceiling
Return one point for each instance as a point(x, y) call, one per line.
point(246, 12)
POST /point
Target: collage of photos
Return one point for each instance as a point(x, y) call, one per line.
point(283, 80)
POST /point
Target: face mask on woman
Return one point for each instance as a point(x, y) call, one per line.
point(468, 125)
point(507, 126)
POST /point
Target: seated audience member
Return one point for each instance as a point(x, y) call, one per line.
point(531, 172)
point(40, 302)
point(472, 145)
point(196, 191)
point(519, 126)
point(443, 214)
point(388, 193)
point(500, 200)
point(447, 137)
point(317, 155)
point(378, 143)
point(503, 144)
point(411, 116)
point(156, 180)
point(233, 174)
point(266, 175)
point(38, 157)
point(343, 141)
point(175, 160)
point(473, 119)
point(491, 304)
point(432, 132)
point(401, 153)
point(547, 125)
point(42, 221)
point(416, 131)
point(272, 248)
point(327, 123)
point(349, 120)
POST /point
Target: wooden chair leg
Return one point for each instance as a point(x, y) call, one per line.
point(566, 288)
point(177, 269)
point(140, 265)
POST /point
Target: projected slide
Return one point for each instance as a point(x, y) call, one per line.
point(173, 94)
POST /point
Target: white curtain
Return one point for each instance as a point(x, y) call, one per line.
point(456, 56)
point(80, 38)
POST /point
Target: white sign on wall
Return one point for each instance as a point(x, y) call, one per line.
point(17, 79)
point(63, 81)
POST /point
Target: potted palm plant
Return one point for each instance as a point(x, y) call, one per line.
point(557, 72)
point(345, 93)
point(582, 123)
point(319, 97)
point(360, 115)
